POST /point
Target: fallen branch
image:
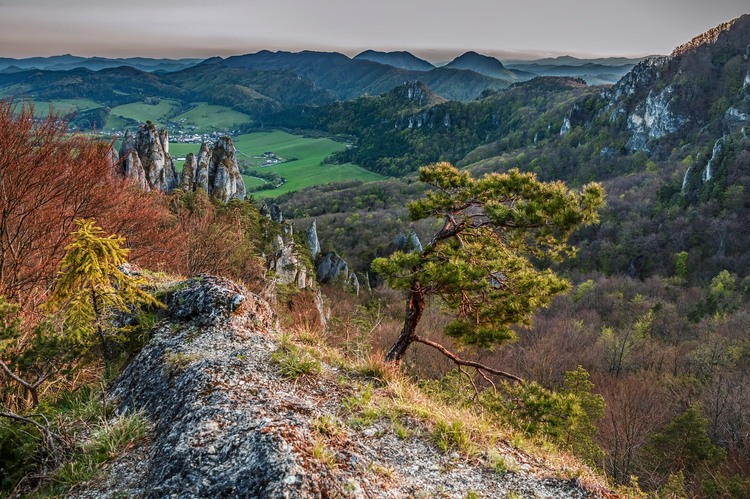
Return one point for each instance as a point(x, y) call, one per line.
point(30, 387)
point(49, 436)
point(468, 363)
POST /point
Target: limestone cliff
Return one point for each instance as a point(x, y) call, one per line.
point(701, 89)
point(224, 178)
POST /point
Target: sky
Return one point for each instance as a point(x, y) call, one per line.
point(434, 29)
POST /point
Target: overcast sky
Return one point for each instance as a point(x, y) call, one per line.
point(435, 29)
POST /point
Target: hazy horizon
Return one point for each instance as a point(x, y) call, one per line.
point(434, 30)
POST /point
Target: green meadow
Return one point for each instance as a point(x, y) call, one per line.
point(210, 117)
point(141, 112)
point(301, 160)
point(62, 106)
point(301, 156)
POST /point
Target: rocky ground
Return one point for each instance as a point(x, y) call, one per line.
point(226, 423)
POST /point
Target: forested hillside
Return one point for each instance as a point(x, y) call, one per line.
point(659, 313)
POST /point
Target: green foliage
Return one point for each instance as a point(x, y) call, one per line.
point(583, 289)
point(91, 285)
point(10, 322)
point(106, 442)
point(452, 436)
point(722, 297)
point(684, 444)
point(674, 488)
point(18, 447)
point(482, 262)
point(680, 264)
point(94, 439)
point(567, 417)
point(294, 362)
point(582, 426)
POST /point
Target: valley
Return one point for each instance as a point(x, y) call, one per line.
point(579, 226)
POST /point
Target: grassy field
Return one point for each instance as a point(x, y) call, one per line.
point(300, 158)
point(63, 106)
point(208, 117)
point(142, 112)
point(302, 155)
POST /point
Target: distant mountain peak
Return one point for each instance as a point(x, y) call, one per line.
point(482, 64)
point(399, 59)
point(472, 58)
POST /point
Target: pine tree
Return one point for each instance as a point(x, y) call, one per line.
point(481, 263)
point(91, 284)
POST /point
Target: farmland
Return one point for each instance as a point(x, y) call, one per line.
point(298, 160)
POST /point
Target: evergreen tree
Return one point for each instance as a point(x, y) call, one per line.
point(481, 263)
point(91, 284)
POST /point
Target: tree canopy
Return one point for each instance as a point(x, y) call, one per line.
point(91, 283)
point(487, 262)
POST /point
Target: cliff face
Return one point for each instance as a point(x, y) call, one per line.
point(227, 423)
point(701, 87)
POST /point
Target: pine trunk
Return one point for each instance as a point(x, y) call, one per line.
point(414, 308)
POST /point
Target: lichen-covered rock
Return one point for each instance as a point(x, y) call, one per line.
point(206, 381)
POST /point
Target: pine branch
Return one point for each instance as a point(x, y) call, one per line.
point(468, 363)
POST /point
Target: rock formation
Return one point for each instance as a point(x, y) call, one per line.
point(226, 423)
point(272, 212)
point(407, 242)
point(330, 268)
point(144, 158)
point(214, 170)
point(312, 240)
point(287, 266)
point(224, 177)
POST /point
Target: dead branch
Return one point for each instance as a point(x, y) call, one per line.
point(460, 362)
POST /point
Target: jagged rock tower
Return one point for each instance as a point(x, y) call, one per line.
point(144, 158)
point(215, 170)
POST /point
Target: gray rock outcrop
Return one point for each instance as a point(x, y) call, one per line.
point(226, 423)
point(189, 168)
point(312, 240)
point(201, 169)
point(224, 177)
point(272, 212)
point(129, 162)
point(144, 158)
point(330, 268)
point(407, 242)
point(653, 119)
point(286, 265)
